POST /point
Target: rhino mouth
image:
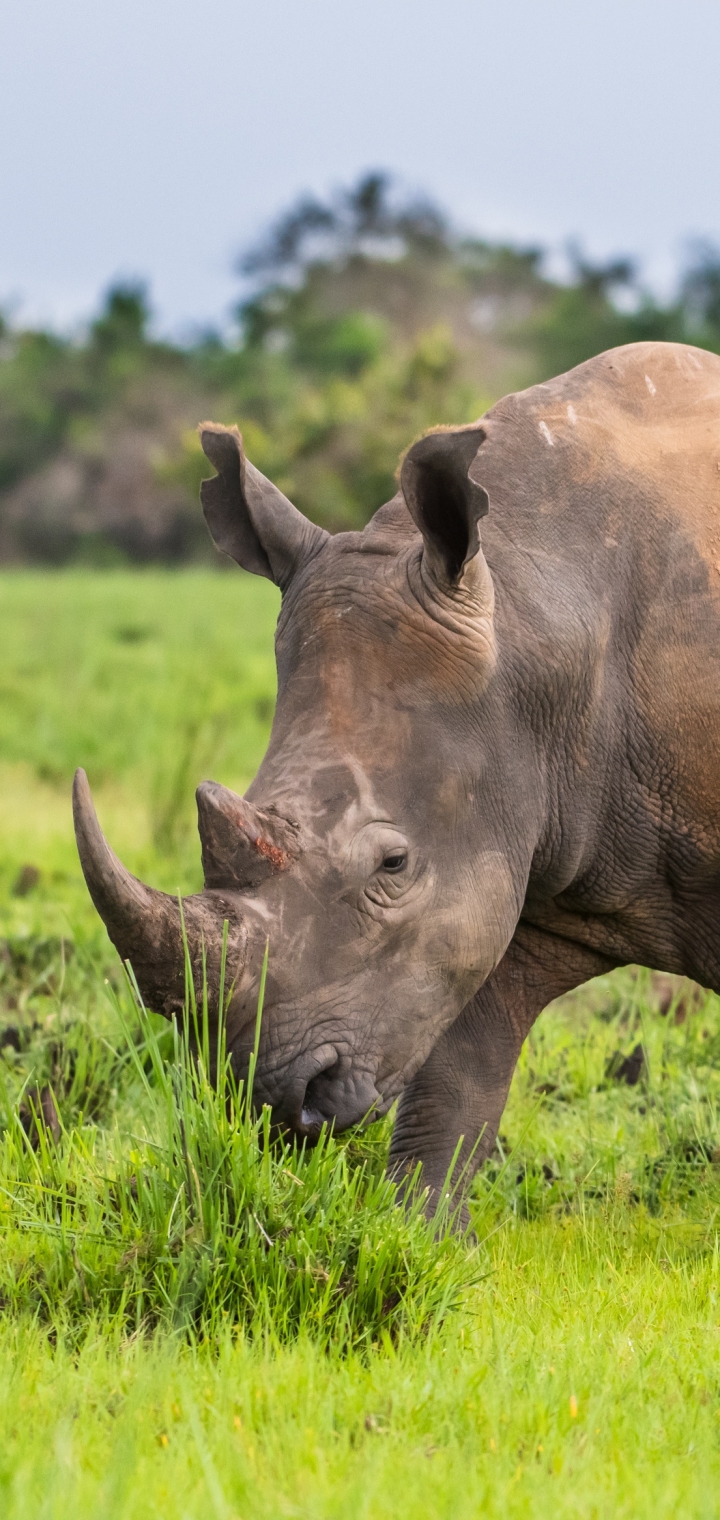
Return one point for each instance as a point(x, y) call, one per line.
point(321, 1091)
point(339, 1104)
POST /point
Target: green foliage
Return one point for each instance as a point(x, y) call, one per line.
point(343, 345)
point(189, 1215)
point(700, 295)
point(50, 385)
point(123, 323)
point(42, 386)
point(197, 1320)
point(579, 322)
point(332, 439)
point(366, 321)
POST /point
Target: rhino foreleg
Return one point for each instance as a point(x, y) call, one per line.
point(460, 1092)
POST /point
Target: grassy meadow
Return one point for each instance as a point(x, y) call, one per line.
point(195, 1322)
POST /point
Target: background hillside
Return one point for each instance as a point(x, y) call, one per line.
point(368, 319)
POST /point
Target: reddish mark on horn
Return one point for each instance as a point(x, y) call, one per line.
point(271, 852)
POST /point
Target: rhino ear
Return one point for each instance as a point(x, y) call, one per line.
point(248, 517)
point(443, 501)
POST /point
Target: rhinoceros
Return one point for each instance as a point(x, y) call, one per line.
point(493, 770)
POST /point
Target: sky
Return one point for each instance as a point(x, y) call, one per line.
point(157, 138)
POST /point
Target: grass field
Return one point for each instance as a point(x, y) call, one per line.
point(194, 1323)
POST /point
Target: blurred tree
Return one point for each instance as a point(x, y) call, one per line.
point(364, 219)
point(365, 320)
point(700, 294)
point(123, 322)
point(369, 321)
point(42, 386)
point(585, 316)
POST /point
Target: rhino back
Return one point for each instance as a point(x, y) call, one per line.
point(604, 488)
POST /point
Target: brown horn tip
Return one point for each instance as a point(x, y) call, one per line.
point(241, 847)
point(121, 900)
point(143, 924)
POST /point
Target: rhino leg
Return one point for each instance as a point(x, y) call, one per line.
point(461, 1090)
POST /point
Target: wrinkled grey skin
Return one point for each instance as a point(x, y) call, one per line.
point(493, 770)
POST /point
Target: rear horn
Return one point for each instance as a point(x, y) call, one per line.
point(241, 847)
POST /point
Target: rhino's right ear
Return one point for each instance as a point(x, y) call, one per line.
point(248, 517)
point(445, 504)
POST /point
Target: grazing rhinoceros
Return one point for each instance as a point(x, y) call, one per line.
point(493, 770)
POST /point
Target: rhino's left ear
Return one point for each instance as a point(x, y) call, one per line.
point(248, 517)
point(443, 501)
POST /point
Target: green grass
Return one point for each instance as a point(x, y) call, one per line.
point(186, 1216)
point(151, 681)
point(196, 1322)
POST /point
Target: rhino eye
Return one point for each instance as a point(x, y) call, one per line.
point(395, 862)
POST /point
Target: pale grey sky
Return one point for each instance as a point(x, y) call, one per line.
point(156, 137)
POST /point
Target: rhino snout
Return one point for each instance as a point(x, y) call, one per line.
point(321, 1088)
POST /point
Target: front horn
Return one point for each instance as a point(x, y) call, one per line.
point(144, 924)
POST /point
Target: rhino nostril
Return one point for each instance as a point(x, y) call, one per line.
point(323, 1089)
point(313, 1115)
point(316, 1111)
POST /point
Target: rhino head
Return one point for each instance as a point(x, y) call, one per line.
point(371, 848)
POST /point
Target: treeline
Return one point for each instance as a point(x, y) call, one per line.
point(369, 320)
